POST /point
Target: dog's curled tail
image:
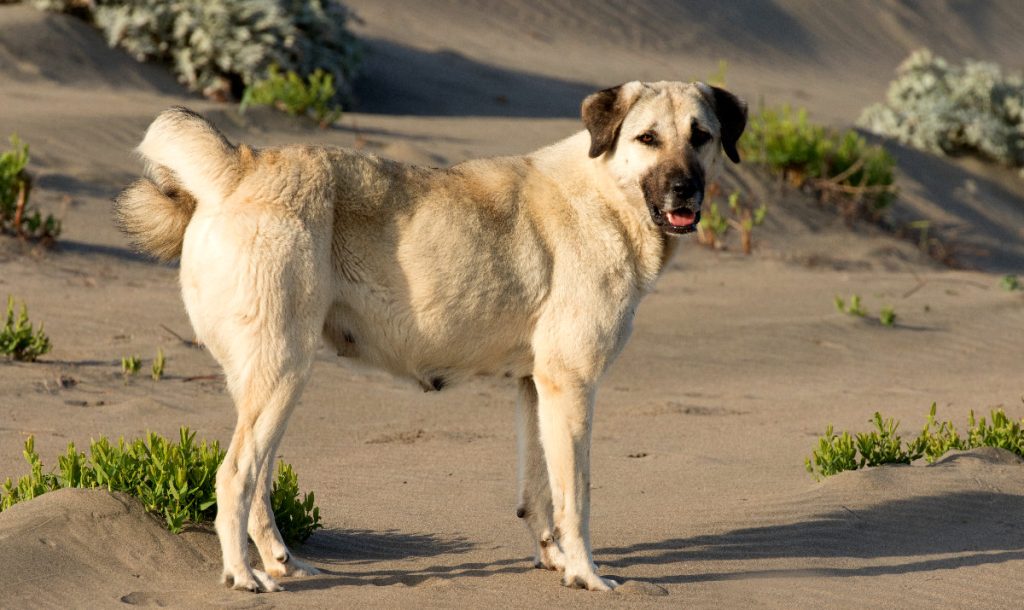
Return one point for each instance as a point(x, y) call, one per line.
point(188, 163)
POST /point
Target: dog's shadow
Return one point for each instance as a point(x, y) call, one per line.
point(332, 550)
point(979, 527)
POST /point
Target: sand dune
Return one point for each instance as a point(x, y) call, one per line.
point(735, 366)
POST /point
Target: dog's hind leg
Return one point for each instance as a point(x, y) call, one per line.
point(265, 395)
point(277, 559)
point(534, 489)
point(261, 318)
point(566, 407)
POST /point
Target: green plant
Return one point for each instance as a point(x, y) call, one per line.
point(887, 316)
point(714, 224)
point(744, 220)
point(219, 47)
point(1010, 283)
point(296, 519)
point(130, 365)
point(839, 166)
point(174, 480)
point(15, 185)
point(158, 365)
point(712, 227)
point(17, 338)
point(290, 93)
point(854, 308)
point(940, 107)
point(883, 445)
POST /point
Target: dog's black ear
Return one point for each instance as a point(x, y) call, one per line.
point(732, 116)
point(603, 113)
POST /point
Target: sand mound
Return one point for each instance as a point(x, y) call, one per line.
point(37, 46)
point(100, 546)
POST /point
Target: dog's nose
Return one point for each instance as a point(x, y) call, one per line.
point(689, 190)
point(684, 189)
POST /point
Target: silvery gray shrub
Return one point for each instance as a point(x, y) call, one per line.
point(219, 47)
point(940, 107)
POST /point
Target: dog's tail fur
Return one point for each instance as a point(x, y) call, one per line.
point(188, 163)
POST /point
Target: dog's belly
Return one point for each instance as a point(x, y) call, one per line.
point(434, 355)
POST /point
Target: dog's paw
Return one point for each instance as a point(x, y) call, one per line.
point(550, 557)
point(588, 580)
point(254, 581)
point(290, 566)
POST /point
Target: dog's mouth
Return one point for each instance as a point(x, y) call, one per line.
point(678, 221)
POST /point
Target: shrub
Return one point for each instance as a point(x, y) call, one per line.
point(296, 518)
point(175, 480)
point(298, 97)
point(15, 185)
point(17, 338)
point(840, 166)
point(837, 453)
point(221, 46)
point(948, 109)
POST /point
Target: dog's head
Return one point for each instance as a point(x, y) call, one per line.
point(662, 141)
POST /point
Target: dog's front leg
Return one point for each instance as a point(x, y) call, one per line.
point(534, 489)
point(565, 410)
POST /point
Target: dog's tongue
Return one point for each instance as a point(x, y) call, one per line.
point(683, 218)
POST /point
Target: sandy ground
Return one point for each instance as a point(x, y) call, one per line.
point(736, 366)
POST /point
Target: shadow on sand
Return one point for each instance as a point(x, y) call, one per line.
point(400, 80)
point(983, 527)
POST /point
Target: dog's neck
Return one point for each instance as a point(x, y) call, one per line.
point(562, 163)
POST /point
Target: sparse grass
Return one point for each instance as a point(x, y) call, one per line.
point(175, 480)
point(158, 365)
point(836, 453)
point(840, 167)
point(18, 340)
point(853, 308)
point(130, 365)
point(291, 93)
point(16, 217)
point(886, 317)
point(1010, 283)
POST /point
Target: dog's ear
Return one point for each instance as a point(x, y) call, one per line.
point(732, 116)
point(603, 113)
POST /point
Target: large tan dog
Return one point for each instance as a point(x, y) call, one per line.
point(531, 266)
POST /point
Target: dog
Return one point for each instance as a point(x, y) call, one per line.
point(529, 266)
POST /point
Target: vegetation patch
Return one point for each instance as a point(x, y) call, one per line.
point(943, 108)
point(836, 453)
point(16, 217)
point(290, 93)
point(219, 47)
point(18, 339)
point(839, 167)
point(174, 480)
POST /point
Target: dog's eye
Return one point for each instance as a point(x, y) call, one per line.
point(699, 137)
point(647, 138)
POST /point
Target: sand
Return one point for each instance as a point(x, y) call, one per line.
point(736, 365)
